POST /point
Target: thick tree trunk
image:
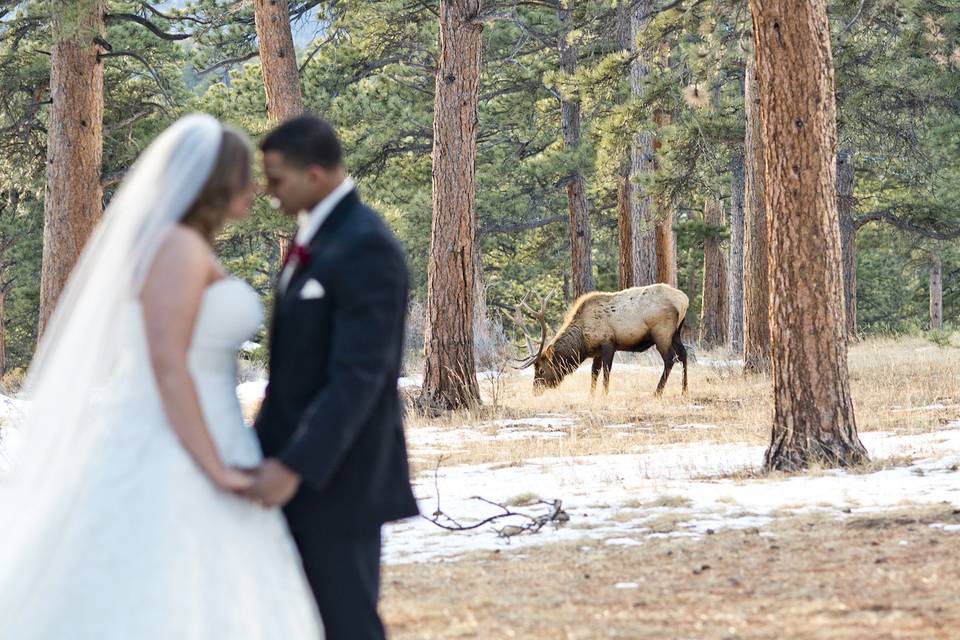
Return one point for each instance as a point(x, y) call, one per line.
point(278, 60)
point(581, 263)
point(74, 197)
point(735, 261)
point(813, 411)
point(713, 313)
point(635, 206)
point(936, 290)
point(450, 379)
point(756, 322)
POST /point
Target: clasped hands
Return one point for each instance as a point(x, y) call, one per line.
point(271, 484)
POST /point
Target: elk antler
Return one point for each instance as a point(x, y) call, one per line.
point(517, 321)
point(541, 317)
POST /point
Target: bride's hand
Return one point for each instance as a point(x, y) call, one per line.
point(233, 480)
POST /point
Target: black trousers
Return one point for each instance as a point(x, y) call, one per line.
point(344, 573)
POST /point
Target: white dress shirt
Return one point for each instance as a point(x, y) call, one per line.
point(311, 221)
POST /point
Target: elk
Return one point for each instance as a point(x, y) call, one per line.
point(599, 324)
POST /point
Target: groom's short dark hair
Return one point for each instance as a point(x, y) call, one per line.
point(306, 140)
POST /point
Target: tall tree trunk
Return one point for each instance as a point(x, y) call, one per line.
point(694, 277)
point(756, 322)
point(936, 290)
point(74, 197)
point(666, 249)
point(735, 261)
point(624, 230)
point(581, 264)
point(848, 236)
point(713, 313)
point(450, 379)
point(813, 411)
point(665, 239)
point(638, 250)
point(3, 332)
point(482, 329)
point(278, 60)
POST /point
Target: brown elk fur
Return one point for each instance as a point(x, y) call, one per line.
point(599, 324)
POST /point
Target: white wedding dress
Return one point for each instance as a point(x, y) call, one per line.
point(151, 548)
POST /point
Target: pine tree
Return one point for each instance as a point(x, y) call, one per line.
point(450, 379)
point(813, 409)
point(73, 201)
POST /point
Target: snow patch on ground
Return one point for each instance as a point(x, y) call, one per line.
point(688, 490)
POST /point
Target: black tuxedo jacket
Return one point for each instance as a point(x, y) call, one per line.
point(331, 411)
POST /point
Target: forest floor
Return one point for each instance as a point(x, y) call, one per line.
point(669, 528)
point(673, 530)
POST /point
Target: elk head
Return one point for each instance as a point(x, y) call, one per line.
point(545, 372)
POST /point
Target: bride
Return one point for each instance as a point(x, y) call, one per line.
point(120, 519)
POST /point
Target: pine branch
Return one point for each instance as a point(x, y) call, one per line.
point(157, 31)
point(888, 217)
point(146, 63)
point(228, 62)
point(172, 18)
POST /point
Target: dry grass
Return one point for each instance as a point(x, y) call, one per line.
point(894, 385)
point(885, 576)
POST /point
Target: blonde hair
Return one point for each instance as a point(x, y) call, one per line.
point(230, 176)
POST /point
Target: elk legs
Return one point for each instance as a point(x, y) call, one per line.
point(594, 373)
point(607, 352)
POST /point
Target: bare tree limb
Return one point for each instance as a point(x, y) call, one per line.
point(157, 31)
point(888, 217)
point(228, 62)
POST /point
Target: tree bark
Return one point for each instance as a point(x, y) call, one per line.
point(638, 251)
point(450, 379)
point(3, 332)
point(936, 290)
point(665, 238)
point(581, 264)
point(813, 411)
point(756, 323)
point(74, 197)
point(713, 312)
point(278, 60)
point(666, 249)
point(735, 261)
point(848, 236)
point(624, 230)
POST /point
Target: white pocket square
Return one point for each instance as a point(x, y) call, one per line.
point(312, 290)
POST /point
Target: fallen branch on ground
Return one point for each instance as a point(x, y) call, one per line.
point(531, 523)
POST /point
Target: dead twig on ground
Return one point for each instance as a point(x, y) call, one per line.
point(531, 523)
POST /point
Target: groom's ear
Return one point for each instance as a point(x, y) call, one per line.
point(318, 175)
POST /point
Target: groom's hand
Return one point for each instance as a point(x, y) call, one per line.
point(274, 484)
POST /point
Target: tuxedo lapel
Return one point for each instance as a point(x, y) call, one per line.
point(326, 232)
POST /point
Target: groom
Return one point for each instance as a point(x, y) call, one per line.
point(330, 425)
